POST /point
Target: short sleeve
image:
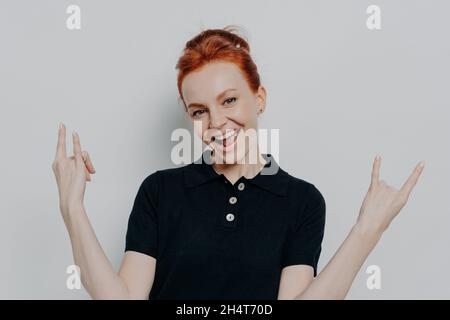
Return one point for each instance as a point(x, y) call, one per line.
point(305, 241)
point(142, 231)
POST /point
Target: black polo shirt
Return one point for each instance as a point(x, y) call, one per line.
point(217, 240)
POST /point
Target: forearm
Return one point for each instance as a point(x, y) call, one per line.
point(96, 272)
point(337, 277)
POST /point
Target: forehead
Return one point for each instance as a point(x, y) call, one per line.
point(210, 80)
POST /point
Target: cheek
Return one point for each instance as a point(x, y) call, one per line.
point(242, 114)
point(246, 116)
point(200, 126)
point(198, 131)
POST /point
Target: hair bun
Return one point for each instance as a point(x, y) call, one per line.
point(229, 34)
point(239, 35)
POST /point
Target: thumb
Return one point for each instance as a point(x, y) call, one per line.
point(88, 162)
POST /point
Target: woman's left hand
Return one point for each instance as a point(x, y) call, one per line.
point(382, 202)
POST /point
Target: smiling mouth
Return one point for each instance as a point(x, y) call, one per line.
point(228, 139)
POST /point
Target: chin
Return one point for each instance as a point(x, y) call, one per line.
point(235, 156)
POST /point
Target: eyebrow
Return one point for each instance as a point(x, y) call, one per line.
point(219, 97)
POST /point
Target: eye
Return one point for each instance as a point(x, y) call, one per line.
point(232, 99)
point(196, 112)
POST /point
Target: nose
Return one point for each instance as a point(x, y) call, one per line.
point(217, 118)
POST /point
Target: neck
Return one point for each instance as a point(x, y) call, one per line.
point(234, 171)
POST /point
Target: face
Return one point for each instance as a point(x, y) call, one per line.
point(224, 110)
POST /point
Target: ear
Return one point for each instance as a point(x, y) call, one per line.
point(261, 96)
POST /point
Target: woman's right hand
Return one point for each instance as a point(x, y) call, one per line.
point(71, 172)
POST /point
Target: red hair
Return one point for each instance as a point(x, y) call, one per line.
point(217, 45)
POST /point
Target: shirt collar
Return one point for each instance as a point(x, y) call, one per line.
point(200, 172)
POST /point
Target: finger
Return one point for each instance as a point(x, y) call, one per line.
point(87, 170)
point(375, 171)
point(88, 162)
point(88, 176)
point(412, 180)
point(61, 145)
point(77, 147)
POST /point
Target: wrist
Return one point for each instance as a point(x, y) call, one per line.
point(365, 231)
point(73, 217)
point(74, 209)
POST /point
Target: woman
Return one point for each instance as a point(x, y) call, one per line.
point(226, 227)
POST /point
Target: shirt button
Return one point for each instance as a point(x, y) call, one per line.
point(241, 186)
point(230, 217)
point(233, 200)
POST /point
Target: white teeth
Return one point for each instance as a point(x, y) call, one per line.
point(226, 136)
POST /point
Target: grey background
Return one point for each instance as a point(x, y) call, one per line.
point(338, 92)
